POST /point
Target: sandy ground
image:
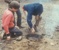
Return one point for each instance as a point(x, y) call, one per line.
point(46, 43)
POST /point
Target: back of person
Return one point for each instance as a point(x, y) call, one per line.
point(34, 7)
point(7, 15)
point(38, 8)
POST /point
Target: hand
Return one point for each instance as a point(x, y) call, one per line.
point(8, 38)
point(32, 30)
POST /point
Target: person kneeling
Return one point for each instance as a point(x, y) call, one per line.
point(8, 21)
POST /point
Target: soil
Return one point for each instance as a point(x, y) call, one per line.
point(44, 43)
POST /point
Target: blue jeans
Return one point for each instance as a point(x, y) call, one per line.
point(15, 32)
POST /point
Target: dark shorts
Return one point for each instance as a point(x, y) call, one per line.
point(38, 11)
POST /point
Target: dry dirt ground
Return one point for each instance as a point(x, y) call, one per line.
point(46, 43)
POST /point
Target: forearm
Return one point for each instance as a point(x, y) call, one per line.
point(6, 29)
point(29, 23)
point(29, 18)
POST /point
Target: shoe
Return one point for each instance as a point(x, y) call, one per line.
point(19, 38)
point(8, 38)
point(4, 37)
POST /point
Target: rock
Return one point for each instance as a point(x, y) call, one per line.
point(52, 44)
point(34, 37)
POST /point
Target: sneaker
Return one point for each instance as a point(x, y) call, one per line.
point(19, 38)
point(8, 38)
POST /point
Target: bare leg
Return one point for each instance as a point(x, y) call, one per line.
point(38, 19)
